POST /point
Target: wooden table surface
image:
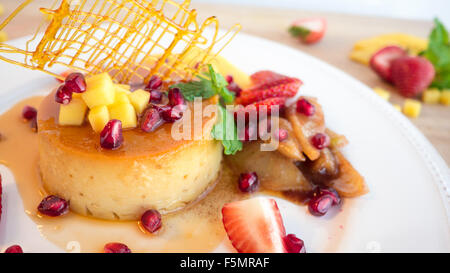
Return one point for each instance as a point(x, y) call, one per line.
point(343, 31)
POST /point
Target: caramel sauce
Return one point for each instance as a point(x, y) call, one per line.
point(197, 228)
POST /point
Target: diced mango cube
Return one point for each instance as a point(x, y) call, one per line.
point(412, 108)
point(122, 88)
point(124, 112)
point(98, 117)
point(384, 94)
point(445, 97)
point(121, 98)
point(100, 90)
point(431, 96)
point(72, 113)
point(139, 99)
point(397, 107)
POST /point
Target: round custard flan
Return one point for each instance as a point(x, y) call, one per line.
point(149, 170)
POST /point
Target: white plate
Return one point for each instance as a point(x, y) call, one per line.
point(407, 209)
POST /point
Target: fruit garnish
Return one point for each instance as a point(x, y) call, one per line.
point(266, 76)
point(98, 117)
point(221, 131)
point(73, 113)
point(100, 90)
point(283, 88)
point(412, 108)
point(431, 96)
point(282, 135)
point(310, 30)
point(29, 112)
point(445, 97)
point(412, 75)
point(294, 244)
point(116, 248)
point(155, 96)
point(320, 141)
point(151, 220)
point(111, 137)
point(139, 99)
point(170, 113)
point(319, 205)
point(151, 120)
point(53, 206)
point(124, 112)
point(233, 86)
point(155, 83)
point(64, 74)
point(289, 147)
point(33, 125)
point(75, 83)
point(384, 94)
point(248, 182)
point(176, 97)
point(63, 95)
point(305, 107)
point(254, 226)
point(14, 249)
point(438, 53)
point(248, 133)
point(382, 59)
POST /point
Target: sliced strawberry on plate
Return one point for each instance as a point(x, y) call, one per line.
point(310, 30)
point(254, 226)
point(257, 106)
point(285, 87)
point(382, 59)
point(266, 76)
point(412, 75)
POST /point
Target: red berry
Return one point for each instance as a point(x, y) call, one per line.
point(248, 182)
point(319, 205)
point(151, 120)
point(294, 244)
point(111, 136)
point(382, 59)
point(229, 79)
point(155, 96)
point(14, 249)
point(170, 114)
point(151, 220)
point(282, 88)
point(176, 97)
point(412, 75)
point(319, 191)
point(282, 134)
point(305, 107)
point(75, 82)
point(233, 87)
point(29, 112)
point(63, 95)
point(249, 133)
point(309, 30)
point(53, 206)
point(116, 248)
point(155, 83)
point(320, 141)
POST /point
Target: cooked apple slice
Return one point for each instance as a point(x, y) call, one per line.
point(289, 147)
point(336, 140)
point(306, 127)
point(275, 171)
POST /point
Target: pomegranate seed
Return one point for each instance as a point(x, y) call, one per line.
point(282, 134)
point(176, 97)
point(14, 249)
point(75, 83)
point(319, 205)
point(170, 114)
point(63, 95)
point(53, 206)
point(233, 87)
point(249, 133)
point(319, 191)
point(294, 244)
point(320, 141)
point(116, 248)
point(151, 120)
point(111, 136)
point(229, 79)
point(248, 182)
point(305, 107)
point(29, 112)
point(155, 83)
point(155, 96)
point(33, 125)
point(151, 220)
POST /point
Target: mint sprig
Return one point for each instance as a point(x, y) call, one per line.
point(226, 131)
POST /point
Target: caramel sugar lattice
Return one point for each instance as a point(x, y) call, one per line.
point(130, 39)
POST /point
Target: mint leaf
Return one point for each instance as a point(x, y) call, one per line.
point(297, 31)
point(206, 86)
point(438, 53)
point(226, 131)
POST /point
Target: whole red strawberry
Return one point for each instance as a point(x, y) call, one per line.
point(412, 75)
point(382, 59)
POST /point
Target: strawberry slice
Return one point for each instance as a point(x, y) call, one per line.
point(254, 226)
point(382, 59)
point(412, 75)
point(309, 30)
point(284, 87)
point(266, 76)
point(257, 106)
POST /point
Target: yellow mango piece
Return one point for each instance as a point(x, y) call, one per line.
point(100, 90)
point(121, 97)
point(139, 99)
point(98, 117)
point(445, 97)
point(124, 112)
point(397, 107)
point(412, 108)
point(72, 113)
point(384, 94)
point(124, 88)
point(431, 96)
